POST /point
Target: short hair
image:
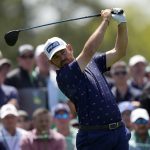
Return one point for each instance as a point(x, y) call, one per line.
point(39, 111)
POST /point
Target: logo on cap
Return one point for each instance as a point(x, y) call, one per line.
point(52, 46)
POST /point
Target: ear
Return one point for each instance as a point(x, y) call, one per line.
point(69, 47)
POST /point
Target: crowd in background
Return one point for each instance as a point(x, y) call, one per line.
point(34, 112)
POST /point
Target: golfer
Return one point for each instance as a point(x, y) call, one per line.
point(81, 79)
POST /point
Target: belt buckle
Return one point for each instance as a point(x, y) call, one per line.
point(113, 126)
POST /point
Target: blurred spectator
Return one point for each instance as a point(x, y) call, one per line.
point(126, 108)
point(62, 118)
point(137, 66)
point(46, 77)
point(121, 89)
point(10, 135)
point(2, 146)
point(8, 94)
point(145, 98)
point(42, 137)
point(140, 136)
point(23, 120)
point(41, 71)
point(147, 72)
point(21, 77)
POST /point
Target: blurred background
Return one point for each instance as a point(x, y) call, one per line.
point(18, 14)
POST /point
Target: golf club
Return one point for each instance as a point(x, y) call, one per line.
point(11, 37)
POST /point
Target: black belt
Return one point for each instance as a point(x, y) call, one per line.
point(110, 126)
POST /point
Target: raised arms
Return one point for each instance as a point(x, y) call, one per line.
point(94, 41)
point(97, 37)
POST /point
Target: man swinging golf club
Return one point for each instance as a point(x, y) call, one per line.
point(82, 80)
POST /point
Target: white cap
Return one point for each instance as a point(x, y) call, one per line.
point(8, 109)
point(54, 45)
point(126, 105)
point(39, 50)
point(4, 61)
point(60, 106)
point(25, 48)
point(136, 59)
point(139, 113)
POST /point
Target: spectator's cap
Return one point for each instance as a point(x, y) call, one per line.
point(59, 107)
point(54, 45)
point(139, 113)
point(8, 109)
point(4, 61)
point(123, 106)
point(39, 50)
point(25, 48)
point(137, 59)
point(22, 113)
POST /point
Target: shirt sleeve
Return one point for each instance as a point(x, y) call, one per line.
point(13, 94)
point(100, 60)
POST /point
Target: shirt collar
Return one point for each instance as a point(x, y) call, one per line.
point(46, 136)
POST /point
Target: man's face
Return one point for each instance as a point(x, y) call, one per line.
point(63, 57)
point(138, 69)
point(26, 61)
point(62, 118)
point(23, 122)
point(120, 75)
point(42, 62)
point(141, 126)
point(42, 122)
point(10, 122)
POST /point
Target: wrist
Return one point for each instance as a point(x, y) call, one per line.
point(106, 20)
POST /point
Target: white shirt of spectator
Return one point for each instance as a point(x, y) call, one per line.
point(12, 142)
point(54, 93)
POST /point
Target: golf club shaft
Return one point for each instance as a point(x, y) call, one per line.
point(62, 21)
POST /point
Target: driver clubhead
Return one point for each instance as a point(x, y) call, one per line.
point(11, 37)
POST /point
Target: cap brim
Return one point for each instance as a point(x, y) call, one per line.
point(8, 113)
point(136, 62)
point(137, 117)
point(55, 51)
point(5, 61)
point(25, 51)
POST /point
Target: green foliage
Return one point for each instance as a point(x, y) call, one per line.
point(14, 14)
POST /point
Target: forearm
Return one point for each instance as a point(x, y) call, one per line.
point(96, 39)
point(121, 40)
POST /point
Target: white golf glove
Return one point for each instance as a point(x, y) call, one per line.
point(119, 18)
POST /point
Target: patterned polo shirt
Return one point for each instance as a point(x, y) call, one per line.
point(89, 90)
